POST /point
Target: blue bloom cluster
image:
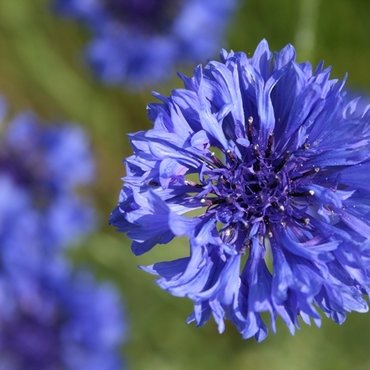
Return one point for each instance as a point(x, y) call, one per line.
point(139, 41)
point(45, 165)
point(264, 164)
point(51, 317)
point(54, 319)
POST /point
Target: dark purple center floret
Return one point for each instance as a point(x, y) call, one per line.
point(147, 15)
point(261, 189)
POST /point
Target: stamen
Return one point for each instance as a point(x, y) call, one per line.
point(311, 172)
point(212, 201)
point(303, 194)
point(230, 154)
point(192, 183)
point(270, 144)
point(257, 164)
point(216, 160)
point(250, 129)
point(285, 159)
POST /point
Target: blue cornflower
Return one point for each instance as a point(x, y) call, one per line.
point(51, 317)
point(138, 41)
point(42, 167)
point(264, 164)
point(56, 319)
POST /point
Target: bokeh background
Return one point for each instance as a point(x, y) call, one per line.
point(42, 68)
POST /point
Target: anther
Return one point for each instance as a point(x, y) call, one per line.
point(227, 232)
point(270, 143)
point(256, 147)
point(285, 159)
point(302, 194)
point(216, 160)
point(250, 129)
point(213, 201)
point(192, 183)
point(281, 208)
point(230, 154)
point(311, 172)
point(306, 146)
point(306, 221)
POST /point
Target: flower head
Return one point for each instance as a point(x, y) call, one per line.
point(55, 319)
point(50, 318)
point(138, 41)
point(41, 168)
point(275, 160)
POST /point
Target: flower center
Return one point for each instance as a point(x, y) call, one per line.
point(248, 191)
point(259, 189)
point(146, 15)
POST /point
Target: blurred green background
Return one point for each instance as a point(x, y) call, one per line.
point(41, 68)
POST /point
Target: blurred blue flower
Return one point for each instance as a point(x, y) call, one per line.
point(41, 169)
point(55, 319)
point(51, 317)
point(138, 41)
point(272, 159)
